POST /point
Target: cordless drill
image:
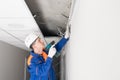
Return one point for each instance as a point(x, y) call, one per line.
point(48, 46)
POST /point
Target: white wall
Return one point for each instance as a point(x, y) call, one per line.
point(11, 62)
point(94, 48)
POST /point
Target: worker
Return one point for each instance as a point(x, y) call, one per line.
point(39, 61)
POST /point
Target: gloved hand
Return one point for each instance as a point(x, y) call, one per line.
point(67, 32)
point(52, 51)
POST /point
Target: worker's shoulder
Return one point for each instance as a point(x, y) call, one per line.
point(29, 60)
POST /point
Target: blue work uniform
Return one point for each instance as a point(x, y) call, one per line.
point(40, 69)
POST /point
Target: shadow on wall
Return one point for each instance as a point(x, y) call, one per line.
point(11, 62)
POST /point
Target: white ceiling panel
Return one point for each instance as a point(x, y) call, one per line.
point(14, 8)
point(16, 22)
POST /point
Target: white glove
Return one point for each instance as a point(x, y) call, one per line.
point(67, 32)
point(52, 51)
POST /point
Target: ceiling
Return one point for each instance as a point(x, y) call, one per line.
point(50, 14)
point(16, 20)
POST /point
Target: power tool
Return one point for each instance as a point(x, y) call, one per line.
point(48, 46)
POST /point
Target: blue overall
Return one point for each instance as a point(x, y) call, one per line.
point(40, 69)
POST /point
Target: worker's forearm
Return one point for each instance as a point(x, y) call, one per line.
point(61, 44)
